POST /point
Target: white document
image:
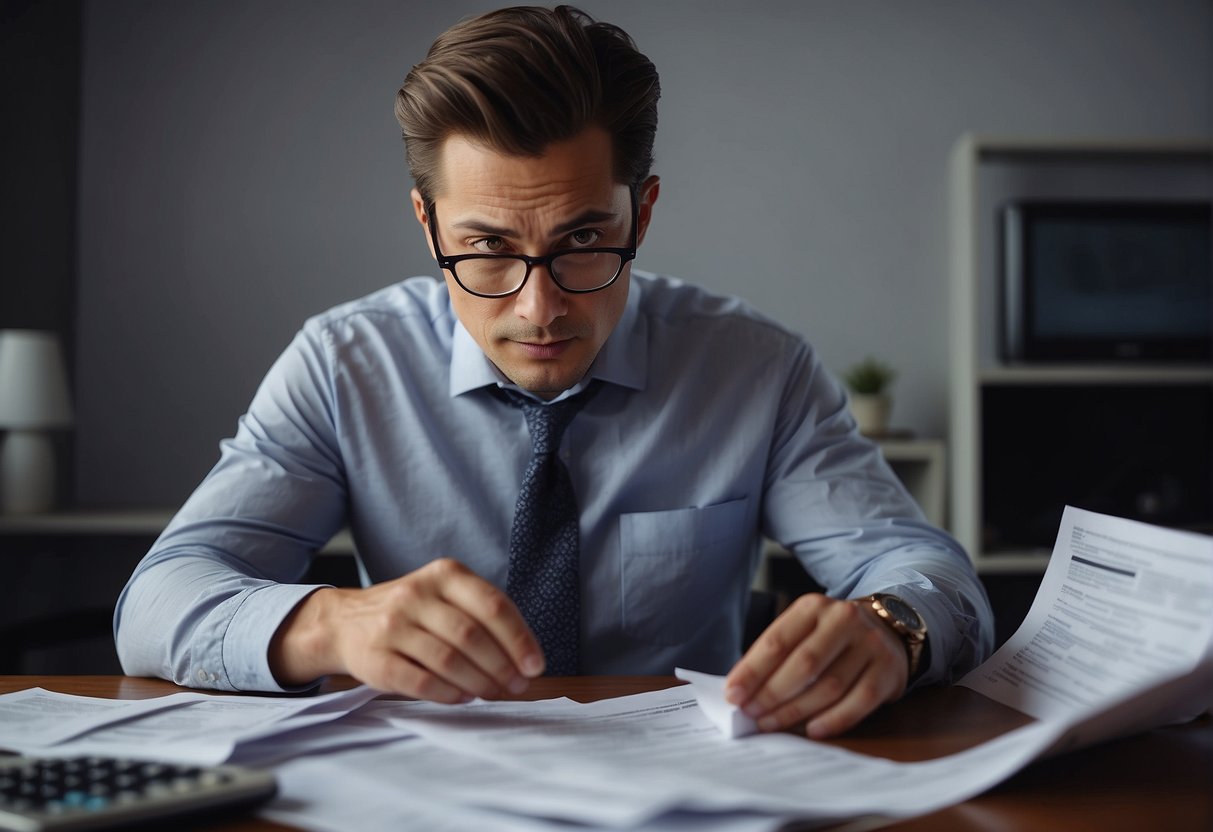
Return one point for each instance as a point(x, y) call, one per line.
point(661, 747)
point(317, 793)
point(429, 774)
point(1121, 603)
point(709, 693)
point(535, 766)
point(204, 729)
point(588, 793)
point(1149, 705)
point(356, 729)
point(1118, 640)
point(46, 717)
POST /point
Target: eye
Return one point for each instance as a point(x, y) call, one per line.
point(584, 237)
point(489, 245)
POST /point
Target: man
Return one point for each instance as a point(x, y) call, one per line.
point(657, 431)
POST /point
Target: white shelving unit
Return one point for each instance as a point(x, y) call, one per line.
point(984, 171)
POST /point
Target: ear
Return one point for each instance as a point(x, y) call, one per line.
point(419, 212)
point(649, 192)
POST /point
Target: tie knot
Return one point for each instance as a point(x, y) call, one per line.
point(547, 422)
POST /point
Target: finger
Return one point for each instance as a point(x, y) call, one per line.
point(391, 672)
point(771, 648)
point(406, 618)
point(883, 679)
point(829, 688)
point(875, 686)
point(494, 610)
point(436, 653)
point(837, 625)
point(489, 670)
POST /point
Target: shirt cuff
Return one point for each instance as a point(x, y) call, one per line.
point(246, 644)
point(934, 667)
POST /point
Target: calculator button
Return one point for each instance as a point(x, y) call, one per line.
point(55, 795)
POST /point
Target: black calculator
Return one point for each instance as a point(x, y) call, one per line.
point(45, 793)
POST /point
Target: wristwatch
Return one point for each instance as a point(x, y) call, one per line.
point(904, 621)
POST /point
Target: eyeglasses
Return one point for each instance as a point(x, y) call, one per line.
point(578, 271)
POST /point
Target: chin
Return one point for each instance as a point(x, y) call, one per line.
point(547, 384)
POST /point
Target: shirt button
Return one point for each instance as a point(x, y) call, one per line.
point(201, 675)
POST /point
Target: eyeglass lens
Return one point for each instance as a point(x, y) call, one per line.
point(575, 270)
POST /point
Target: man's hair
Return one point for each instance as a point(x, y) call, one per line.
point(520, 79)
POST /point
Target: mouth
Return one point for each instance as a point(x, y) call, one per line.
point(544, 350)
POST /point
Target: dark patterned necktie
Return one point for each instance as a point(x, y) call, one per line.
point(544, 579)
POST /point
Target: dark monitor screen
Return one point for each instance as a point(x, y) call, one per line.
point(1112, 281)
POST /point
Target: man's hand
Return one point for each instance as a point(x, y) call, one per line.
point(440, 633)
point(826, 661)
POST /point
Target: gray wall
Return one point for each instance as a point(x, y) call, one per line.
point(240, 169)
point(39, 103)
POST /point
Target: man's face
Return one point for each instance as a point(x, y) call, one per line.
point(542, 338)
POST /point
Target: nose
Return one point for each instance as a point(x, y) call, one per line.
point(540, 300)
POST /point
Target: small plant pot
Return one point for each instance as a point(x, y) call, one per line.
point(871, 412)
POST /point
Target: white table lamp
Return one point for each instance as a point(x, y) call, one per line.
point(33, 401)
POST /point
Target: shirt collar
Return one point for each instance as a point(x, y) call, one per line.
point(623, 359)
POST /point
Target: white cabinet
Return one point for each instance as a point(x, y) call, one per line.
point(985, 172)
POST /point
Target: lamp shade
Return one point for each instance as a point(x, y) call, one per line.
point(33, 383)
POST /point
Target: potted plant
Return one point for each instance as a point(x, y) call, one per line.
point(869, 382)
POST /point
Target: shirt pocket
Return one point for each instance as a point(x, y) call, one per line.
point(678, 566)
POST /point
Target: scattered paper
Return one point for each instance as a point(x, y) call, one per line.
point(1118, 640)
point(354, 730)
point(709, 693)
point(654, 761)
point(316, 793)
point(654, 753)
point(196, 728)
point(1121, 603)
point(45, 717)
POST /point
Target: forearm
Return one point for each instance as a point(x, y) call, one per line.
point(193, 620)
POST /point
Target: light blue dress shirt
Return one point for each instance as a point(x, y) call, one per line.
point(714, 427)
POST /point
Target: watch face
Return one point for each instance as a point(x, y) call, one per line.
point(902, 612)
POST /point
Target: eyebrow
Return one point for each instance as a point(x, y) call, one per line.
point(590, 217)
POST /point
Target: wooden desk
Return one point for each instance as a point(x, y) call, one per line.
point(1162, 779)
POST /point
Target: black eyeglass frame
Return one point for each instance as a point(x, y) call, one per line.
point(448, 262)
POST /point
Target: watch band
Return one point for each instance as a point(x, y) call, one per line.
point(904, 621)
